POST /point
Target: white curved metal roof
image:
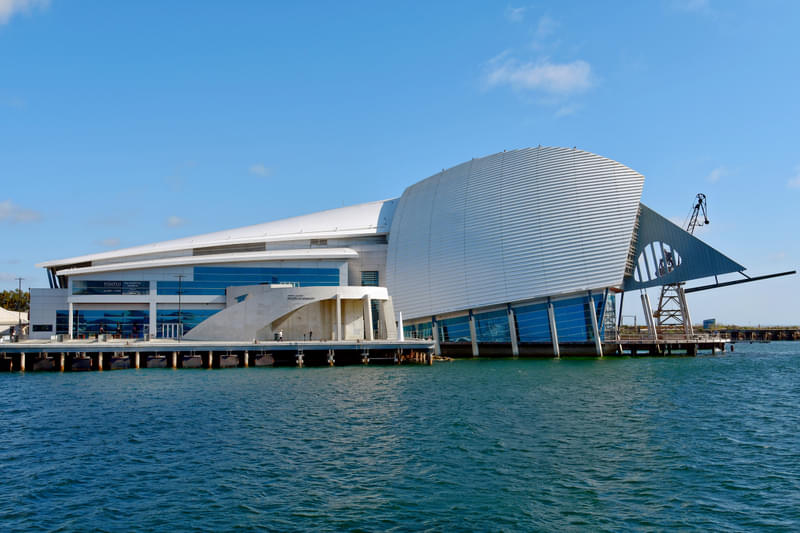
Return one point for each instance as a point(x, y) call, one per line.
point(511, 226)
point(373, 218)
point(303, 254)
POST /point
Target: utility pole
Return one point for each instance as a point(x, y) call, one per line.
point(180, 314)
point(19, 307)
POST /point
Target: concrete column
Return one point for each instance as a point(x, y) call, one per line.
point(473, 336)
point(70, 321)
point(100, 361)
point(368, 333)
point(174, 359)
point(153, 319)
point(246, 359)
point(22, 362)
point(512, 332)
point(435, 329)
point(598, 345)
point(137, 361)
point(62, 362)
point(210, 359)
point(551, 314)
point(338, 317)
point(331, 357)
point(400, 333)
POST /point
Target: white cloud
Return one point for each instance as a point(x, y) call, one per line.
point(14, 213)
point(260, 170)
point(175, 221)
point(8, 8)
point(794, 183)
point(544, 29)
point(553, 78)
point(110, 242)
point(515, 14)
point(715, 175)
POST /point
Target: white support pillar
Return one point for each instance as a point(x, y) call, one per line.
point(400, 333)
point(368, 333)
point(338, 317)
point(153, 319)
point(437, 347)
point(174, 359)
point(137, 360)
point(70, 320)
point(246, 359)
point(551, 314)
point(648, 315)
point(598, 345)
point(473, 336)
point(62, 362)
point(210, 359)
point(512, 331)
point(22, 362)
point(100, 361)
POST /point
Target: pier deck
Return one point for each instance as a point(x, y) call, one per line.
point(164, 353)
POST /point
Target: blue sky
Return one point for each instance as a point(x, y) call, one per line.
point(124, 123)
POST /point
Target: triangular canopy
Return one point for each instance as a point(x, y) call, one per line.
point(666, 254)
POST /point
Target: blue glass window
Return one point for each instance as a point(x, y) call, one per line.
point(214, 280)
point(189, 317)
point(125, 324)
point(92, 287)
point(418, 331)
point(62, 322)
point(492, 327)
point(572, 320)
point(454, 329)
point(369, 278)
point(533, 324)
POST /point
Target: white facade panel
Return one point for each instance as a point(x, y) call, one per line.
point(511, 226)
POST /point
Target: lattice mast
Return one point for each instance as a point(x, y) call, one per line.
point(673, 312)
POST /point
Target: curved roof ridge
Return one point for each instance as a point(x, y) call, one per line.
point(369, 218)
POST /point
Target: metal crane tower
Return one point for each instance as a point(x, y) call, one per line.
point(672, 309)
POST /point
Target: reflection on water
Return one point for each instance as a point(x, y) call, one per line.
point(662, 443)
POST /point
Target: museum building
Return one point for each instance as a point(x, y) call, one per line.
point(513, 251)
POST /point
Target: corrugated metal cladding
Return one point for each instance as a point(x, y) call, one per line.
point(511, 226)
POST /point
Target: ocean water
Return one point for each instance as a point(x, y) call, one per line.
point(679, 443)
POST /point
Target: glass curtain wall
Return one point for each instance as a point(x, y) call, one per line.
point(492, 326)
point(214, 280)
point(126, 324)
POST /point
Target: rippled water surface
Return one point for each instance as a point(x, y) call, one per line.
point(702, 443)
